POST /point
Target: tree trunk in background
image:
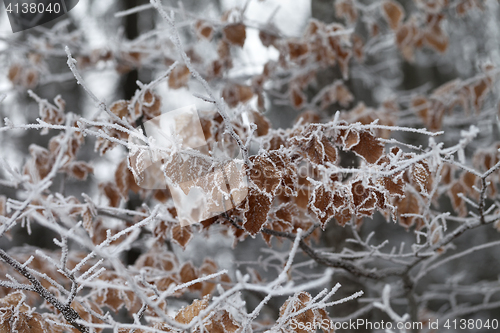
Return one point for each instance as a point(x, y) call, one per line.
point(131, 32)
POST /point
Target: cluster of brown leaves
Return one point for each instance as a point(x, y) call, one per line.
point(306, 319)
point(42, 159)
point(17, 316)
point(24, 76)
point(220, 322)
point(468, 95)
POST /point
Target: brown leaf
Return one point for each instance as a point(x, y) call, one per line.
point(421, 176)
point(393, 13)
point(234, 94)
point(346, 9)
point(119, 108)
point(265, 174)
point(407, 205)
point(235, 34)
point(79, 170)
point(297, 96)
point(364, 198)
point(267, 38)
point(179, 77)
point(457, 202)
point(351, 139)
point(437, 40)
point(182, 235)
point(304, 319)
point(187, 274)
point(3, 203)
point(257, 206)
point(479, 91)
point(297, 50)
point(111, 192)
point(263, 124)
point(204, 29)
point(125, 180)
point(393, 184)
point(319, 151)
point(369, 147)
point(15, 73)
point(321, 204)
point(222, 322)
point(188, 313)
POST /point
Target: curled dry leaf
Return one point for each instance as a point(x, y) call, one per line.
point(204, 29)
point(119, 108)
point(421, 176)
point(79, 170)
point(346, 9)
point(393, 13)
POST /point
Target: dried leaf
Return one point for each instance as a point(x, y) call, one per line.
point(235, 34)
point(369, 147)
point(119, 108)
point(437, 40)
point(179, 77)
point(182, 235)
point(297, 50)
point(257, 207)
point(234, 94)
point(346, 9)
point(319, 151)
point(111, 192)
point(3, 203)
point(457, 202)
point(188, 313)
point(204, 29)
point(263, 124)
point(222, 322)
point(79, 170)
point(407, 205)
point(321, 204)
point(421, 176)
point(298, 98)
point(393, 13)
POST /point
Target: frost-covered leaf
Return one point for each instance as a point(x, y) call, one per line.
point(393, 13)
point(369, 147)
point(188, 313)
point(257, 207)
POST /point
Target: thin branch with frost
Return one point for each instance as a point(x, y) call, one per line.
point(221, 107)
